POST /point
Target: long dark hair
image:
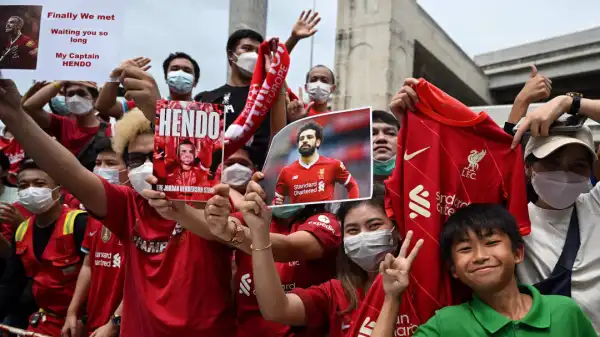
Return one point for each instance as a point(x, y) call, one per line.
point(349, 273)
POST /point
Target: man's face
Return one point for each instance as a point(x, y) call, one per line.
point(246, 45)
point(12, 25)
point(308, 143)
point(570, 158)
point(485, 263)
point(321, 74)
point(110, 159)
point(36, 178)
point(182, 64)
point(385, 141)
point(140, 150)
point(186, 154)
point(241, 157)
point(78, 90)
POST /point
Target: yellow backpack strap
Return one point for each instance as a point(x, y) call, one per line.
point(69, 224)
point(20, 233)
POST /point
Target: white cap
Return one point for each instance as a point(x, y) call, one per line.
point(541, 147)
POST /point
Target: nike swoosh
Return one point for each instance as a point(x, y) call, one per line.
point(414, 154)
point(92, 233)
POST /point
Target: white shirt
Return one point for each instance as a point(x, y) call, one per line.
point(545, 243)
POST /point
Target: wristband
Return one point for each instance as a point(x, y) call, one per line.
point(259, 249)
point(575, 104)
point(57, 85)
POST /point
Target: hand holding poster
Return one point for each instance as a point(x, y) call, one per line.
point(186, 137)
point(60, 39)
point(325, 158)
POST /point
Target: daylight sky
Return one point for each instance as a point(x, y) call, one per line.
point(200, 27)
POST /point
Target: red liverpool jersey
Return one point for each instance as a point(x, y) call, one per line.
point(448, 158)
point(304, 183)
point(107, 263)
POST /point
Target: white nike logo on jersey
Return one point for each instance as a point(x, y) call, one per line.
point(92, 233)
point(414, 154)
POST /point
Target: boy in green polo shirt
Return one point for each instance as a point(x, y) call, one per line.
point(482, 245)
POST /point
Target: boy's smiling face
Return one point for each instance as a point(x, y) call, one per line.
point(485, 261)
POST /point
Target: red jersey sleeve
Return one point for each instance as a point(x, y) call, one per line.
point(326, 229)
point(316, 300)
point(118, 198)
point(281, 189)
point(342, 175)
point(56, 126)
point(515, 191)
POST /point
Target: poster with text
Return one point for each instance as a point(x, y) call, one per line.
point(60, 39)
point(321, 159)
point(187, 143)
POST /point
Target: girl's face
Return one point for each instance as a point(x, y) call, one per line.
point(366, 218)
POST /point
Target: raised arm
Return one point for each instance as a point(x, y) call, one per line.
point(52, 157)
point(36, 98)
point(303, 28)
point(536, 88)
point(275, 304)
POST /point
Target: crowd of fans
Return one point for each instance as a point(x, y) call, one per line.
point(87, 247)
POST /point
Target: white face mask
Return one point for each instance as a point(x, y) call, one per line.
point(180, 82)
point(368, 249)
point(246, 62)
point(236, 175)
point(559, 189)
point(78, 105)
point(110, 174)
point(37, 200)
point(138, 175)
point(319, 91)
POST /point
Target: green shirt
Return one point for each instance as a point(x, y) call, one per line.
point(550, 315)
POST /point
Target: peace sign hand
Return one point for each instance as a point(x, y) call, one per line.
point(395, 271)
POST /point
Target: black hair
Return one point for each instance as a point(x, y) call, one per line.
point(104, 145)
point(180, 55)
point(28, 164)
point(93, 91)
point(380, 116)
point(235, 38)
point(349, 273)
point(321, 66)
point(308, 211)
point(311, 126)
point(481, 219)
point(4, 162)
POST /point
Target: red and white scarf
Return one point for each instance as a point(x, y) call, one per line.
point(264, 91)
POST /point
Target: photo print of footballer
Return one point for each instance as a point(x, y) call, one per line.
point(19, 36)
point(325, 158)
point(187, 136)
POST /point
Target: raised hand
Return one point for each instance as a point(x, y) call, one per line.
point(395, 270)
point(10, 98)
point(140, 62)
point(9, 214)
point(217, 213)
point(305, 26)
point(405, 99)
point(255, 211)
point(142, 89)
point(296, 109)
point(168, 209)
point(537, 88)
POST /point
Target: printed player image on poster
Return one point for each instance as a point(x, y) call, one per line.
point(187, 136)
point(320, 159)
point(19, 37)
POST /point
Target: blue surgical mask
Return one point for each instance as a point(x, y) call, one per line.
point(384, 168)
point(58, 105)
point(286, 212)
point(180, 82)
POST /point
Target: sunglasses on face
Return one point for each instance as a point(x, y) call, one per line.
point(137, 159)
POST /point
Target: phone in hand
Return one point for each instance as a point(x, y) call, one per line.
point(568, 125)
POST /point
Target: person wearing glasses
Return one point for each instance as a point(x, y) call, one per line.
point(77, 134)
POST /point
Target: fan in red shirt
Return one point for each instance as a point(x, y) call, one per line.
point(306, 243)
point(104, 261)
point(13, 150)
point(452, 157)
point(368, 236)
point(320, 83)
point(175, 283)
point(19, 51)
point(76, 134)
point(312, 178)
